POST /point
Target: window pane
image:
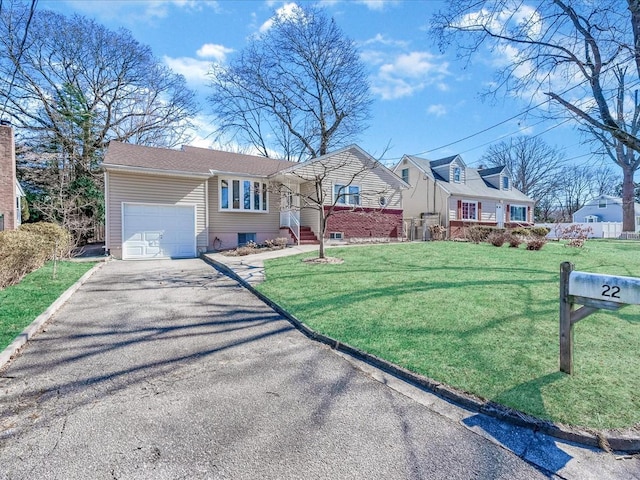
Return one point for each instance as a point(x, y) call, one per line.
point(264, 196)
point(456, 174)
point(405, 174)
point(518, 214)
point(354, 195)
point(256, 195)
point(224, 194)
point(339, 193)
point(468, 211)
point(246, 193)
point(236, 194)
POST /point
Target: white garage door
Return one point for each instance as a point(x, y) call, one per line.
point(158, 231)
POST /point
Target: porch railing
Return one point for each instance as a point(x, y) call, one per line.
point(291, 219)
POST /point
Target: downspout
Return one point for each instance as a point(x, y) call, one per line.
point(206, 210)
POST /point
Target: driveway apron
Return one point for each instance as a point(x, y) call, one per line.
point(169, 369)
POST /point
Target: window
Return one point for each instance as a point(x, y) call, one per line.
point(335, 235)
point(602, 203)
point(244, 238)
point(505, 183)
point(518, 213)
point(346, 195)
point(382, 201)
point(243, 195)
point(638, 221)
point(405, 175)
point(456, 174)
point(591, 219)
point(469, 210)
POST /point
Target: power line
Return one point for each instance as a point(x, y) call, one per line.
point(529, 109)
point(32, 10)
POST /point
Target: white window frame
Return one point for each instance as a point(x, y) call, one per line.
point(262, 196)
point(591, 219)
point(602, 203)
point(524, 207)
point(505, 183)
point(405, 177)
point(457, 174)
point(347, 198)
point(475, 210)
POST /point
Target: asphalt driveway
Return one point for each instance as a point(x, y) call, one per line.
point(168, 369)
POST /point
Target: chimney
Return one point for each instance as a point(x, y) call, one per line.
point(8, 192)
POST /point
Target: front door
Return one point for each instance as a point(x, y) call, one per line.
point(499, 215)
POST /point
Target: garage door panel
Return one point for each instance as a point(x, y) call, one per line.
point(158, 231)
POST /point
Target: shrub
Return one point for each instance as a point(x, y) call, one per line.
point(540, 231)
point(496, 239)
point(480, 233)
point(514, 241)
point(58, 239)
point(24, 250)
point(536, 243)
point(437, 232)
point(575, 235)
point(521, 231)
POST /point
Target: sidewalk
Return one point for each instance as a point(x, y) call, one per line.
point(250, 268)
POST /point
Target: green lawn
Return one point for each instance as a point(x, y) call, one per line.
point(480, 318)
point(20, 304)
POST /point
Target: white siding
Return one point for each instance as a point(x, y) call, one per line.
point(151, 189)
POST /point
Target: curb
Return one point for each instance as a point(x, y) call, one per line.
point(626, 441)
point(13, 349)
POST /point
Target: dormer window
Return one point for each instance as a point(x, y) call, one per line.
point(602, 203)
point(456, 174)
point(505, 183)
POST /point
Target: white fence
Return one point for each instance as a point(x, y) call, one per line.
point(598, 229)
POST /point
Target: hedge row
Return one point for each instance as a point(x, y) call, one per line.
point(24, 250)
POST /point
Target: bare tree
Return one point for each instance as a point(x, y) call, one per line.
point(315, 186)
point(74, 87)
point(579, 55)
point(533, 164)
point(296, 91)
point(576, 186)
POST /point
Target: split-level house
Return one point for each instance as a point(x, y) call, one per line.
point(449, 193)
point(11, 193)
point(178, 203)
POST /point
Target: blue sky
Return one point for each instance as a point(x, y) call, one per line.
point(425, 102)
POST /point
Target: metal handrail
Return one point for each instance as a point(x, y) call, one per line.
point(290, 219)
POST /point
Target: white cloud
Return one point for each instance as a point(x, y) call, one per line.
point(378, 5)
point(139, 11)
point(380, 39)
point(288, 10)
point(409, 73)
point(215, 51)
point(437, 110)
point(194, 71)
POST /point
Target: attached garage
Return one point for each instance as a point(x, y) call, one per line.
point(158, 231)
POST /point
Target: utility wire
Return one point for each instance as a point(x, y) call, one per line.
point(32, 10)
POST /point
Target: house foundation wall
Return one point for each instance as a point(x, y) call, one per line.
point(361, 225)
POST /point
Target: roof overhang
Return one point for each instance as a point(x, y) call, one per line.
point(237, 174)
point(154, 171)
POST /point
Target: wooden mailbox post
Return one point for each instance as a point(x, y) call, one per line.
point(592, 291)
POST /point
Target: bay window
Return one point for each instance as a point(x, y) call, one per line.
point(242, 195)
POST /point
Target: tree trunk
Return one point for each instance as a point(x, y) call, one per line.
point(323, 227)
point(628, 205)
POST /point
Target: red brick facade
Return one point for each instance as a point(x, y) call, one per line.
point(7, 178)
point(362, 224)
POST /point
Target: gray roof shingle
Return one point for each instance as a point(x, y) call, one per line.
point(190, 160)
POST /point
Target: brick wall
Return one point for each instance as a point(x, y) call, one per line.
point(364, 224)
point(7, 177)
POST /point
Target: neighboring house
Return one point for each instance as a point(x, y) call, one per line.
point(448, 193)
point(11, 193)
point(178, 203)
point(604, 208)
